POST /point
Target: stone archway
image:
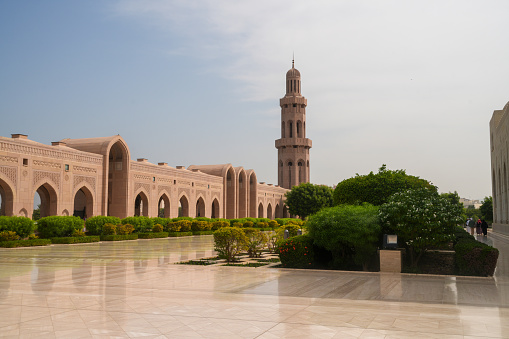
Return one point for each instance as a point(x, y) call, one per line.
point(141, 205)
point(83, 203)
point(215, 209)
point(6, 199)
point(242, 195)
point(118, 180)
point(230, 194)
point(260, 210)
point(183, 206)
point(269, 212)
point(163, 206)
point(200, 207)
point(277, 211)
point(49, 200)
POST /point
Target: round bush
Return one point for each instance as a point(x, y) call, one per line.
point(21, 225)
point(109, 229)
point(58, 226)
point(95, 224)
point(141, 224)
point(296, 252)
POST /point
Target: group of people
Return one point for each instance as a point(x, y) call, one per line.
point(480, 226)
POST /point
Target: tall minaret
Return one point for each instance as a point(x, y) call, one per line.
point(293, 147)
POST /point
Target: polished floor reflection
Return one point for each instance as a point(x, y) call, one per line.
point(134, 289)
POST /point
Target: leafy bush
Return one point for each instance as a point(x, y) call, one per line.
point(376, 188)
point(109, 229)
point(141, 224)
point(124, 229)
point(58, 226)
point(273, 224)
point(262, 224)
point(77, 233)
point(306, 199)
point(248, 224)
point(21, 225)
point(95, 224)
point(296, 252)
point(161, 221)
point(157, 228)
point(185, 225)
point(349, 232)
point(197, 226)
point(421, 218)
point(256, 241)
point(475, 258)
point(179, 234)
point(229, 242)
point(172, 227)
point(8, 236)
point(219, 224)
point(182, 218)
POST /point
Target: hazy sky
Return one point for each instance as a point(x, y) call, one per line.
point(410, 84)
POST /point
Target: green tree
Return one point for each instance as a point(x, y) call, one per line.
point(376, 188)
point(487, 209)
point(36, 214)
point(229, 242)
point(306, 199)
point(472, 212)
point(421, 218)
point(347, 231)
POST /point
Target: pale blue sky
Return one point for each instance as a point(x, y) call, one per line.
point(411, 84)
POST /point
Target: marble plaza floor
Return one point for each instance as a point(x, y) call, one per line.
point(133, 289)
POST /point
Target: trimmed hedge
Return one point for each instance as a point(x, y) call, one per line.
point(152, 235)
point(25, 243)
point(115, 237)
point(58, 226)
point(95, 224)
point(75, 240)
point(179, 234)
point(202, 232)
point(141, 224)
point(296, 252)
point(475, 258)
point(21, 225)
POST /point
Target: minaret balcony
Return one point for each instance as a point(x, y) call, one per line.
point(290, 142)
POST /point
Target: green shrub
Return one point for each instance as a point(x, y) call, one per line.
point(118, 237)
point(8, 236)
point(475, 258)
point(21, 225)
point(94, 225)
point(180, 234)
point(256, 241)
point(124, 229)
point(157, 228)
point(152, 235)
point(75, 240)
point(172, 227)
point(185, 225)
point(248, 224)
point(197, 225)
point(461, 234)
point(161, 221)
point(109, 229)
point(58, 226)
point(219, 224)
point(25, 243)
point(78, 233)
point(141, 224)
point(202, 232)
point(296, 252)
point(229, 242)
point(237, 224)
point(351, 233)
point(273, 224)
point(182, 218)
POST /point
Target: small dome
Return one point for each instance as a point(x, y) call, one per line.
point(293, 73)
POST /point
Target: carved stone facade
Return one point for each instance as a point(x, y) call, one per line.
point(499, 144)
point(96, 176)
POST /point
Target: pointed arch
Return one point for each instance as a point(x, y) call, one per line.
point(183, 206)
point(6, 197)
point(49, 198)
point(242, 188)
point(163, 205)
point(83, 201)
point(285, 212)
point(290, 129)
point(230, 191)
point(299, 129)
point(200, 207)
point(118, 180)
point(260, 211)
point(141, 204)
point(215, 209)
point(269, 211)
point(277, 211)
point(253, 193)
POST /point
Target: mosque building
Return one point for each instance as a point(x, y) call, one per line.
point(96, 176)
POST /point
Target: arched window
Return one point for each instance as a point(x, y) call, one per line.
point(291, 129)
point(283, 129)
point(290, 164)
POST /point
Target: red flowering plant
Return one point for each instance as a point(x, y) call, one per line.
point(296, 252)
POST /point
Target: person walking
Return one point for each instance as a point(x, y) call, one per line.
point(471, 225)
point(484, 227)
point(478, 226)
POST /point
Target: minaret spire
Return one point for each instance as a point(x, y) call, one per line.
point(293, 60)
